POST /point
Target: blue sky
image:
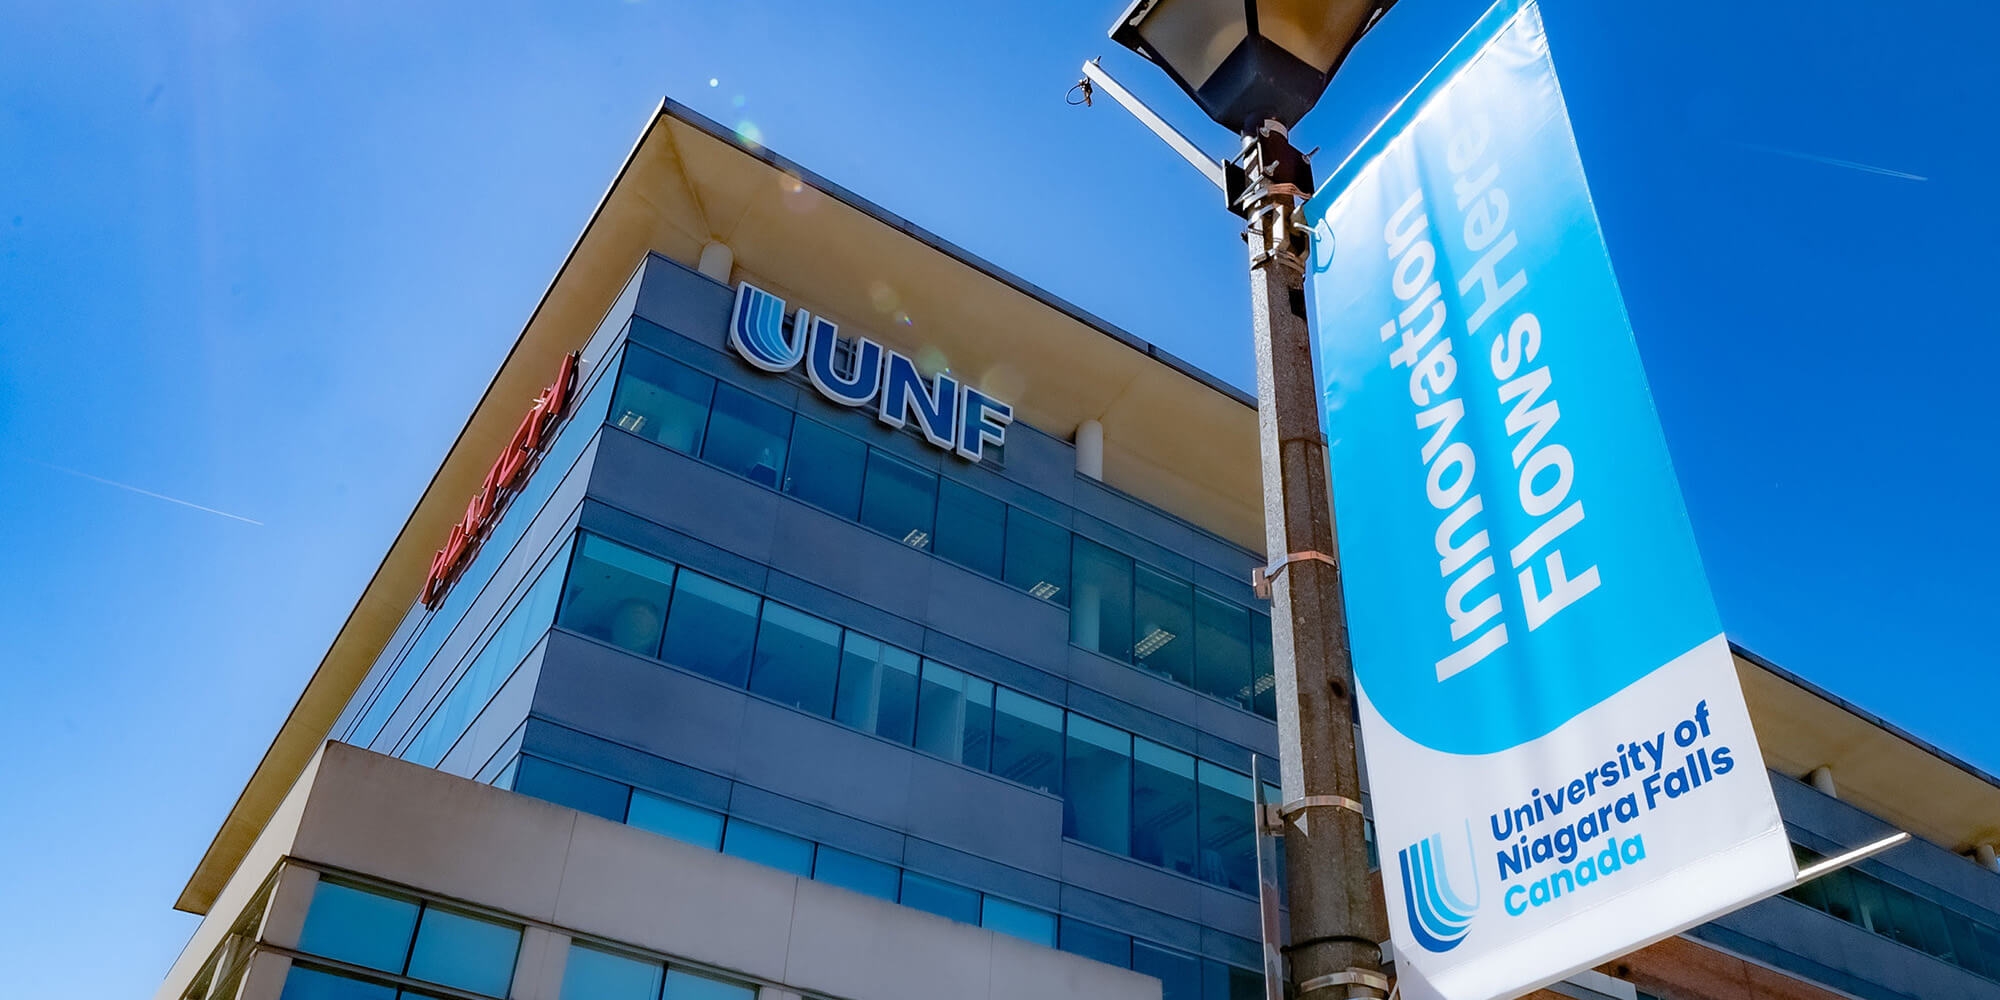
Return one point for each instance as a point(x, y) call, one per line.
point(257, 263)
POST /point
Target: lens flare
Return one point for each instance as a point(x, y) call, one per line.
point(713, 82)
point(748, 133)
point(882, 297)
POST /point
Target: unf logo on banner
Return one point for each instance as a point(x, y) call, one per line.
point(951, 414)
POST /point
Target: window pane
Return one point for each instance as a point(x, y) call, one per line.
point(359, 927)
point(1264, 680)
point(852, 871)
point(1101, 618)
point(1098, 808)
point(683, 822)
point(970, 527)
point(684, 985)
point(591, 974)
point(942, 898)
point(747, 435)
point(1092, 941)
point(1037, 557)
point(798, 659)
point(768, 847)
point(1840, 895)
point(878, 688)
point(1228, 844)
point(824, 468)
point(1227, 982)
point(1164, 610)
point(955, 716)
point(618, 595)
point(898, 499)
point(1179, 975)
point(304, 982)
point(566, 786)
point(662, 400)
point(1024, 922)
point(711, 628)
point(1027, 740)
point(1163, 798)
point(1222, 649)
point(471, 953)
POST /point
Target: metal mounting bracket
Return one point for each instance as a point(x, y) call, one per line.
point(1350, 977)
point(1260, 577)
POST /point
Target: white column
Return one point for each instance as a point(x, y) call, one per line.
point(1822, 779)
point(716, 261)
point(285, 917)
point(538, 971)
point(1090, 449)
point(1987, 859)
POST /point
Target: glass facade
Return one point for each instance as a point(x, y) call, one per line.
point(402, 936)
point(593, 973)
point(1900, 915)
point(1121, 608)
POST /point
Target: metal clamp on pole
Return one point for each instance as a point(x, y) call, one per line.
point(1305, 802)
point(1374, 981)
point(1260, 577)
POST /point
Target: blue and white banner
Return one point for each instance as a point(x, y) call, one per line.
point(1561, 764)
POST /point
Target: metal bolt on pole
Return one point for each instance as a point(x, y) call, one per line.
point(1336, 929)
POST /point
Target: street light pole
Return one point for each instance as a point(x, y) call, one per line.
point(1336, 925)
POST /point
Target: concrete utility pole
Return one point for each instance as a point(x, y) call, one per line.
point(1335, 926)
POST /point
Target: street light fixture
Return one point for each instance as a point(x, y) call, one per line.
point(1256, 67)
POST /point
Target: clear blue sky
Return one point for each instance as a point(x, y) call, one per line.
point(263, 261)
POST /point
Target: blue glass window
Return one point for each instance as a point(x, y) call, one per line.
point(669, 818)
point(798, 659)
point(594, 974)
point(353, 925)
point(899, 499)
point(1092, 941)
point(747, 435)
point(1227, 982)
point(1179, 975)
point(955, 715)
point(711, 628)
point(971, 528)
point(567, 786)
point(1098, 808)
point(619, 595)
point(1024, 922)
point(941, 898)
point(684, 985)
point(464, 951)
point(768, 847)
point(1163, 627)
point(854, 872)
point(662, 400)
point(1228, 842)
point(1163, 806)
point(1100, 618)
point(1222, 649)
point(304, 982)
point(825, 468)
point(878, 688)
point(1038, 557)
point(1264, 681)
point(1027, 740)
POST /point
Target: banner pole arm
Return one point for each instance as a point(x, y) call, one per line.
point(1864, 852)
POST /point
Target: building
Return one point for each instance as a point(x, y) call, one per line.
point(721, 686)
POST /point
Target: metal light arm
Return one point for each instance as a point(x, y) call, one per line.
point(1095, 79)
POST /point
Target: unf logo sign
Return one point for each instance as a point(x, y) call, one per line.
point(952, 415)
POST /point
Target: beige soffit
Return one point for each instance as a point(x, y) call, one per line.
point(688, 181)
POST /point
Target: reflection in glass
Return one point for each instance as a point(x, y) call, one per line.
point(464, 951)
point(1228, 843)
point(955, 715)
point(1179, 975)
point(1092, 941)
point(1101, 616)
point(1163, 806)
point(1024, 922)
point(798, 659)
point(1222, 649)
point(747, 435)
point(304, 982)
point(942, 898)
point(351, 924)
point(618, 595)
point(567, 786)
point(670, 818)
point(768, 847)
point(711, 628)
point(854, 872)
point(1098, 807)
point(899, 499)
point(684, 985)
point(1027, 740)
point(662, 400)
point(1163, 630)
point(971, 528)
point(594, 974)
point(1037, 557)
point(878, 688)
point(825, 468)
point(1264, 682)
